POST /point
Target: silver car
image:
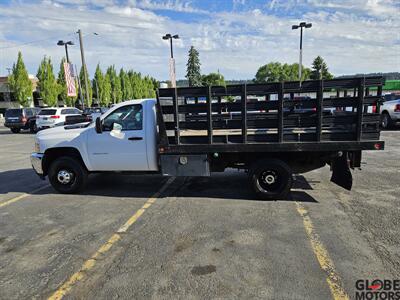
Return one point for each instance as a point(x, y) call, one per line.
point(390, 113)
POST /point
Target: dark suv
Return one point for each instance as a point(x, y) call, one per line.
point(21, 118)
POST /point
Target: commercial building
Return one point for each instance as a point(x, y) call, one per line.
point(7, 99)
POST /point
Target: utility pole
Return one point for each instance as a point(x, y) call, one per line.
point(84, 65)
point(80, 88)
point(301, 26)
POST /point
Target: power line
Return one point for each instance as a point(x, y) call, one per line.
point(32, 42)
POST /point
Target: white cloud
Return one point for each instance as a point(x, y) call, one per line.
point(351, 40)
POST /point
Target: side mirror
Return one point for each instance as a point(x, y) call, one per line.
point(99, 125)
point(117, 127)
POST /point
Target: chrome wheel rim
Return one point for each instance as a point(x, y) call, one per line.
point(65, 177)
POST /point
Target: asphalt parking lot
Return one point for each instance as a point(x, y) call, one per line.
point(199, 237)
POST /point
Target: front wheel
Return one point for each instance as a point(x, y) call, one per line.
point(271, 179)
point(15, 130)
point(67, 175)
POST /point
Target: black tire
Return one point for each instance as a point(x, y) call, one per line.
point(32, 127)
point(386, 120)
point(271, 179)
point(15, 130)
point(73, 170)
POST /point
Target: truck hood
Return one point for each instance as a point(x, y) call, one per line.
point(62, 136)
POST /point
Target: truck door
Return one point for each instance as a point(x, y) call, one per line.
point(122, 144)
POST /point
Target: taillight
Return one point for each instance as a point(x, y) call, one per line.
point(397, 108)
point(374, 109)
point(54, 117)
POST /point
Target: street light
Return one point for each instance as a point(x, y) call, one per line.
point(62, 43)
point(301, 26)
point(170, 37)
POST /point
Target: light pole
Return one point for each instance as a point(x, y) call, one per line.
point(62, 43)
point(172, 73)
point(301, 26)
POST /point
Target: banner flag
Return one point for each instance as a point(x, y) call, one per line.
point(70, 79)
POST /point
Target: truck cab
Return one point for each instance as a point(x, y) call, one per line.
point(123, 140)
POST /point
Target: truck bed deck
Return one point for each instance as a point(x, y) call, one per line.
point(321, 115)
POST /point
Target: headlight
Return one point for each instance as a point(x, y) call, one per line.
point(37, 147)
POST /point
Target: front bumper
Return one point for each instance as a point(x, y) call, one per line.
point(36, 161)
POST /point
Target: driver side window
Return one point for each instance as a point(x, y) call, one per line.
point(129, 117)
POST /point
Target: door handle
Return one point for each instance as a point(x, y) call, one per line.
point(135, 138)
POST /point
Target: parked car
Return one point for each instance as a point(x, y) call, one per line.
point(93, 112)
point(50, 117)
point(390, 113)
point(21, 118)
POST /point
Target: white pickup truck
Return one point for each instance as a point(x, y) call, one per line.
point(127, 143)
point(173, 137)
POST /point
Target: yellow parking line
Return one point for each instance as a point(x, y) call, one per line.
point(24, 195)
point(333, 279)
point(90, 263)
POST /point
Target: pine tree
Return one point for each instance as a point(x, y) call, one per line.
point(48, 86)
point(83, 87)
point(19, 82)
point(320, 69)
point(63, 90)
point(193, 73)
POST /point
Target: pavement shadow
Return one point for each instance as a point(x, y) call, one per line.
point(227, 185)
point(234, 185)
point(8, 132)
point(19, 181)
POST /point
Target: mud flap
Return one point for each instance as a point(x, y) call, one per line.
point(341, 174)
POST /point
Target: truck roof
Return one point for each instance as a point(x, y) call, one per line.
point(134, 101)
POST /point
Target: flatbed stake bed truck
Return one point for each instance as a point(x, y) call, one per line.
point(194, 131)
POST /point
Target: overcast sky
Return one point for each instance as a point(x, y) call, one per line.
point(232, 36)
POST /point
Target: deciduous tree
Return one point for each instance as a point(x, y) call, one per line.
point(19, 82)
point(48, 86)
point(116, 92)
point(213, 79)
point(83, 87)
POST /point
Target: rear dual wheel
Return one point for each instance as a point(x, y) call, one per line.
point(271, 179)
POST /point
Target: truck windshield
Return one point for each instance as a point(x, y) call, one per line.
point(47, 112)
point(13, 112)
